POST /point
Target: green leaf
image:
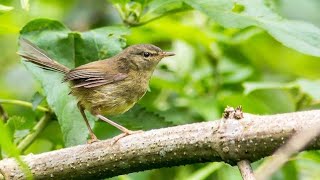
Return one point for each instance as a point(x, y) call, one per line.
point(250, 87)
point(37, 98)
point(290, 171)
point(71, 49)
point(206, 106)
point(306, 86)
point(95, 46)
point(39, 146)
point(6, 141)
point(8, 147)
point(301, 36)
point(206, 171)
point(139, 118)
point(158, 8)
point(19, 127)
point(179, 116)
point(310, 87)
point(16, 123)
point(308, 164)
point(233, 72)
point(162, 6)
point(25, 4)
point(267, 55)
point(228, 172)
point(309, 155)
point(263, 101)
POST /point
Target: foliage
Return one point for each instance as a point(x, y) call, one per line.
point(258, 54)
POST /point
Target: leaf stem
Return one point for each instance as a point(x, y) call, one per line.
point(37, 129)
point(23, 103)
point(3, 114)
point(174, 11)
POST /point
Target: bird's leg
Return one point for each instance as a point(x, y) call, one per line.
point(125, 131)
point(93, 137)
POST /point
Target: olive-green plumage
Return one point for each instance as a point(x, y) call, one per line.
point(108, 87)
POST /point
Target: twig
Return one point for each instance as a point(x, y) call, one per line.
point(251, 138)
point(246, 170)
point(37, 129)
point(23, 103)
point(295, 144)
point(3, 114)
point(156, 17)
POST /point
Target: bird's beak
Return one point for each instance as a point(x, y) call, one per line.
point(165, 54)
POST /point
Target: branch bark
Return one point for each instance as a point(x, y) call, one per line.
point(250, 138)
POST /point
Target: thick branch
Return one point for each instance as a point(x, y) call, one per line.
point(250, 138)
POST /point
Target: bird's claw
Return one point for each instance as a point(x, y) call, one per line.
point(93, 139)
point(124, 134)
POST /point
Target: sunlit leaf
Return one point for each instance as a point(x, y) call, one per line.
point(249, 87)
point(310, 87)
point(301, 36)
point(25, 4)
point(4, 8)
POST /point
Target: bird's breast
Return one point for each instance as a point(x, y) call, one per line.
point(114, 98)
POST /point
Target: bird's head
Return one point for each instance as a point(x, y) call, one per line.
point(144, 56)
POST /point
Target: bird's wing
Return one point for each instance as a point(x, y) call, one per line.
point(89, 76)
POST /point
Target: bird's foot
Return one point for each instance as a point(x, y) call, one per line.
point(93, 139)
point(124, 134)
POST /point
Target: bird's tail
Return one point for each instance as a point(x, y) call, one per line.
point(31, 53)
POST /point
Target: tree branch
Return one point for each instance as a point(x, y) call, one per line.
point(246, 170)
point(250, 138)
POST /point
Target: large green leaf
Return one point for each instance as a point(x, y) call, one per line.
point(71, 49)
point(301, 36)
point(98, 44)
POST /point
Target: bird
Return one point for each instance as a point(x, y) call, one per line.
point(104, 87)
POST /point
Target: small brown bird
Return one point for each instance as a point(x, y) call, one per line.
point(107, 87)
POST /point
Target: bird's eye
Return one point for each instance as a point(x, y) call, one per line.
point(146, 54)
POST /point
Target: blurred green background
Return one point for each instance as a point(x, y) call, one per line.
point(215, 66)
